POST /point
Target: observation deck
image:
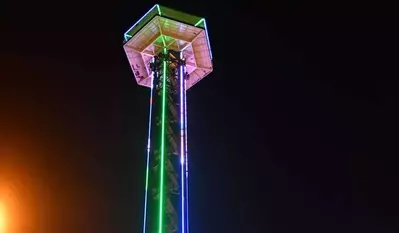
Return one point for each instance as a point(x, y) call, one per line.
point(161, 28)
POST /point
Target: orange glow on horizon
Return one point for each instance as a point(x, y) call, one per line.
point(3, 216)
point(26, 196)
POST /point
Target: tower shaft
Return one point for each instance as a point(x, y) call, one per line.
point(168, 51)
point(166, 196)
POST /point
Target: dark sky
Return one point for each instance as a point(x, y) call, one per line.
point(294, 131)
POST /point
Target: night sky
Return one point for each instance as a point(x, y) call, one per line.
point(294, 131)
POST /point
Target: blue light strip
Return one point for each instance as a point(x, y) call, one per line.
point(186, 147)
point(134, 25)
point(207, 36)
point(182, 147)
point(148, 157)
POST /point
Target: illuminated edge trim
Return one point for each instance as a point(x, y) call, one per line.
point(134, 25)
point(207, 35)
point(186, 149)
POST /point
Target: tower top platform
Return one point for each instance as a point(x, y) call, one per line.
point(160, 28)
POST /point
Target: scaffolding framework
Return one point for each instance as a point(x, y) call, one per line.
point(168, 51)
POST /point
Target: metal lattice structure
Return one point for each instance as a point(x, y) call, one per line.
point(169, 52)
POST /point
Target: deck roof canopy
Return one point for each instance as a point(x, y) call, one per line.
point(160, 28)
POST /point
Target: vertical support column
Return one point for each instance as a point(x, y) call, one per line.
point(167, 154)
point(172, 160)
point(185, 77)
point(163, 150)
point(182, 146)
point(157, 150)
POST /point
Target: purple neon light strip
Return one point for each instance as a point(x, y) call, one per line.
point(182, 148)
point(186, 147)
point(148, 157)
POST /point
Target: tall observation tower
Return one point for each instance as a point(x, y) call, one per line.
point(169, 52)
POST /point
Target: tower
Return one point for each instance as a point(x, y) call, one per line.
point(169, 52)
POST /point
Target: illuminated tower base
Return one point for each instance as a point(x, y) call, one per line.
point(169, 52)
